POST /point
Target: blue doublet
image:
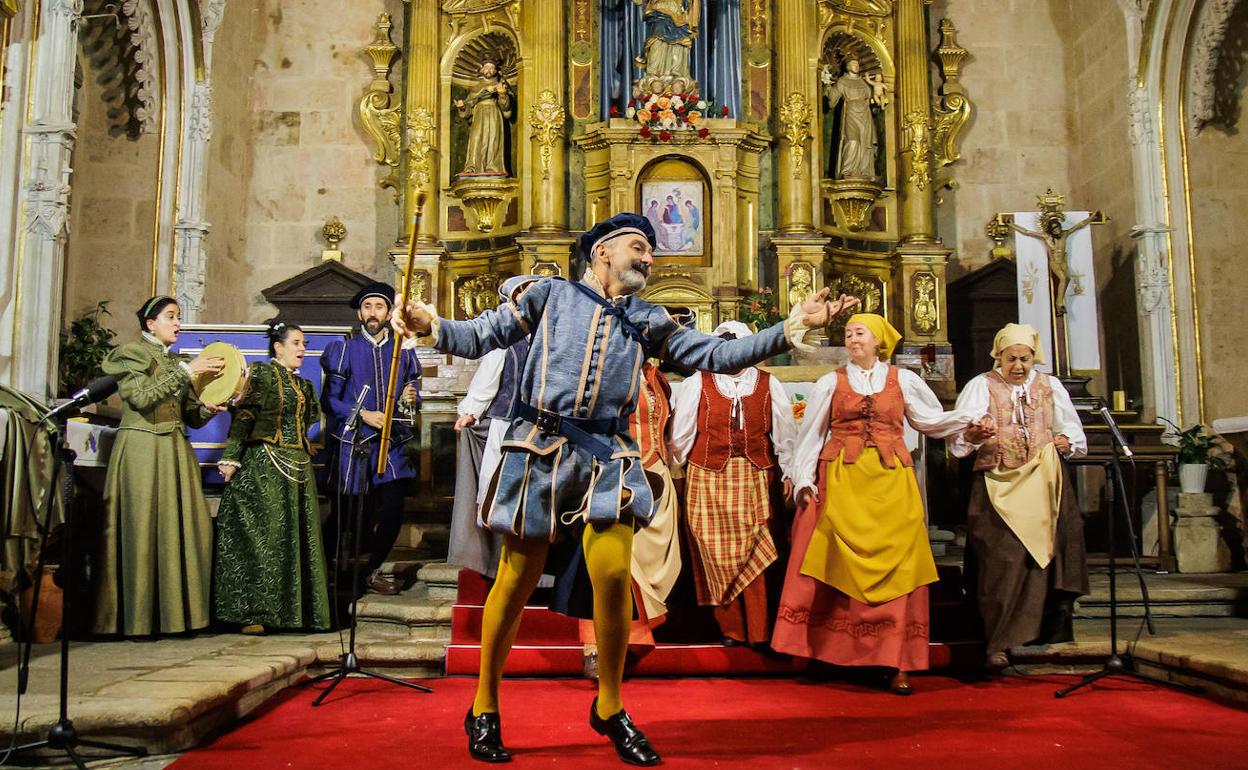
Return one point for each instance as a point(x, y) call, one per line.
point(349, 365)
point(584, 363)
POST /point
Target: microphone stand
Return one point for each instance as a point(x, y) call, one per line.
point(1123, 665)
point(349, 663)
point(63, 736)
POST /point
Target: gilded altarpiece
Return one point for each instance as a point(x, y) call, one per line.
point(826, 170)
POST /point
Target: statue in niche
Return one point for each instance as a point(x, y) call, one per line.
point(671, 26)
point(1054, 239)
point(857, 94)
point(487, 108)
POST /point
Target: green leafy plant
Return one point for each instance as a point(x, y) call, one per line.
point(760, 309)
point(83, 347)
point(1197, 446)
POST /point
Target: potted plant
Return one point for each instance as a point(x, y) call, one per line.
point(83, 347)
point(759, 310)
point(1198, 451)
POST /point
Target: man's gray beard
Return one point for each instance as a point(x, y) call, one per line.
point(633, 280)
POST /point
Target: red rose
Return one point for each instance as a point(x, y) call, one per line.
point(703, 133)
point(615, 111)
point(664, 135)
point(724, 111)
point(645, 132)
point(632, 102)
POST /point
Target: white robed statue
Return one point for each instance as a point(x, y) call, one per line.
point(671, 26)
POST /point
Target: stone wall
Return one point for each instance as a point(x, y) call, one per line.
point(230, 294)
point(1219, 177)
point(289, 152)
point(1018, 141)
point(112, 217)
point(1102, 177)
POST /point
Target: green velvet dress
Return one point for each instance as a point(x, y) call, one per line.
point(154, 569)
point(270, 565)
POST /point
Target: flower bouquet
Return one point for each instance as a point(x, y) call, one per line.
point(662, 116)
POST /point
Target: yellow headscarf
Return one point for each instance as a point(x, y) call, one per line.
point(1018, 334)
point(880, 329)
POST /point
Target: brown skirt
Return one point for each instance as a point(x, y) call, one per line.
point(1021, 603)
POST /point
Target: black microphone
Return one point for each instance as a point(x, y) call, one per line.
point(355, 410)
point(95, 391)
point(1113, 428)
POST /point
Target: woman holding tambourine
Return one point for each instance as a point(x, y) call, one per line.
point(270, 566)
point(154, 572)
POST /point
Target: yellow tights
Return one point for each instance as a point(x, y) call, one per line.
point(608, 555)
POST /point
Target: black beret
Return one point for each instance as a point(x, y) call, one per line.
point(374, 289)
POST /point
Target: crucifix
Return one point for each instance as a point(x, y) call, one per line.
point(1054, 235)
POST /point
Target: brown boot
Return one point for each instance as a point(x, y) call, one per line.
point(380, 584)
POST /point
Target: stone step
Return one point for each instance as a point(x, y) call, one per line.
point(441, 579)
point(400, 658)
point(414, 614)
point(1170, 595)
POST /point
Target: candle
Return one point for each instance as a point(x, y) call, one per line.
point(1120, 400)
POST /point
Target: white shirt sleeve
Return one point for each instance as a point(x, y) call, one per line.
point(973, 402)
point(1066, 419)
point(684, 423)
point(783, 426)
point(804, 463)
point(484, 384)
point(923, 409)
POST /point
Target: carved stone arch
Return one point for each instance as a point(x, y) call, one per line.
point(123, 52)
point(872, 52)
point(1218, 57)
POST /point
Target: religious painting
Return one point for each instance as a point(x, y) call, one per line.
point(677, 211)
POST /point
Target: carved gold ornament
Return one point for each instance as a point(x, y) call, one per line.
point(419, 289)
point(478, 294)
point(853, 200)
point(547, 118)
point(801, 282)
point(925, 312)
point(999, 232)
point(421, 131)
point(953, 108)
point(485, 197)
point(380, 112)
point(795, 121)
point(918, 142)
point(333, 232)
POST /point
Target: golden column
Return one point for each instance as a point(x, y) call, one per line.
point(920, 260)
point(546, 243)
point(421, 157)
point(797, 241)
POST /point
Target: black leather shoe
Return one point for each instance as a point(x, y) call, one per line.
point(485, 737)
point(630, 743)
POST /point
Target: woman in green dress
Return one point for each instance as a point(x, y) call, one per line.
point(270, 567)
point(154, 570)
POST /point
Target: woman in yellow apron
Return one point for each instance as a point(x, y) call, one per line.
point(855, 591)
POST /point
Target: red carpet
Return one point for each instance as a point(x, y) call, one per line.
point(750, 723)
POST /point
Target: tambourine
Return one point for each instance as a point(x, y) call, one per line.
point(228, 385)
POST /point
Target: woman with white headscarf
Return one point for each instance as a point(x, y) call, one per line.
point(855, 590)
point(736, 431)
point(1025, 530)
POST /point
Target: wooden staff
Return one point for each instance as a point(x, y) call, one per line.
point(391, 396)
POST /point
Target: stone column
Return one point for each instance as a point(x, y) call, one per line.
point(191, 229)
point(50, 134)
point(547, 244)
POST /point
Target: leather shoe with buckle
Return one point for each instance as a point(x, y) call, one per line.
point(380, 584)
point(485, 737)
point(630, 744)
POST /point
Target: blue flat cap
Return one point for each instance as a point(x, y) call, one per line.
point(616, 226)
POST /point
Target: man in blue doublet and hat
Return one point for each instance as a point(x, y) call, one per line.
point(568, 459)
point(357, 370)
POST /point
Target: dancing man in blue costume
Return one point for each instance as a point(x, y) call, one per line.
point(569, 462)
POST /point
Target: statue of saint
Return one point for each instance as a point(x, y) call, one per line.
point(488, 108)
point(671, 26)
point(1054, 238)
point(855, 157)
